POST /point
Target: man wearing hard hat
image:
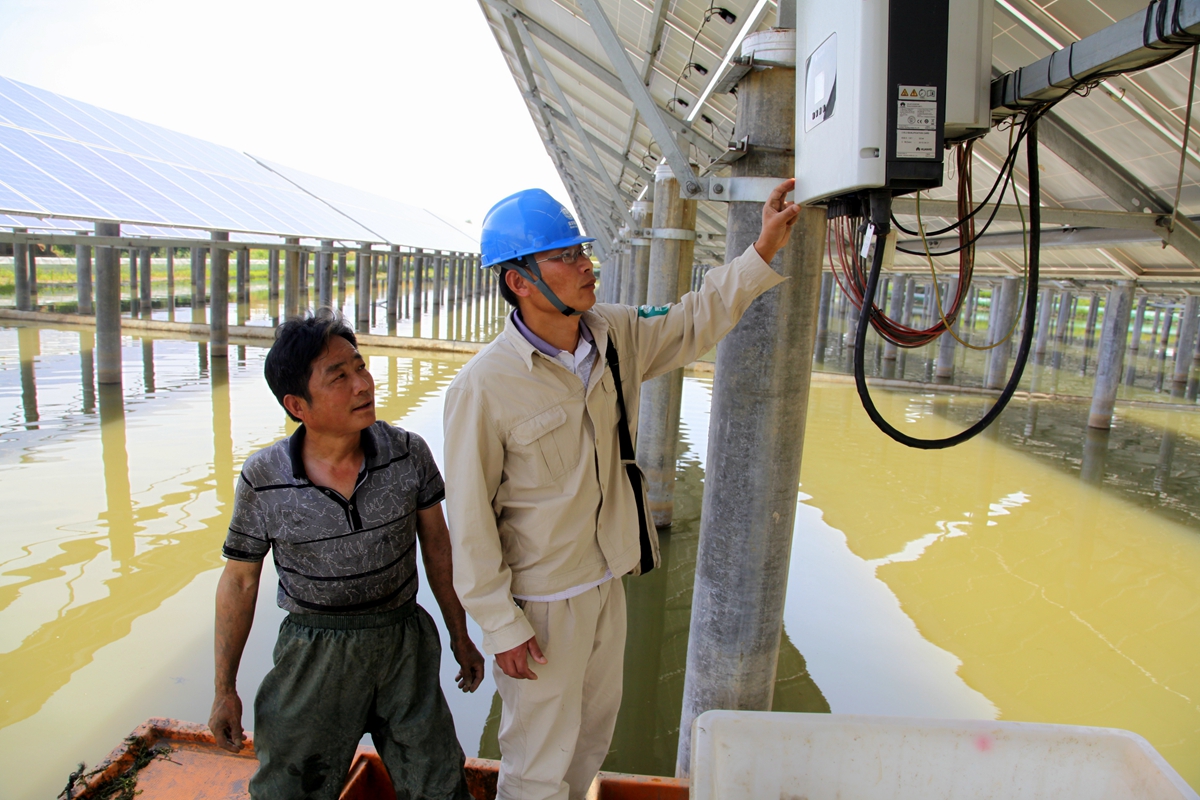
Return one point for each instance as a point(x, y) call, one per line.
point(545, 511)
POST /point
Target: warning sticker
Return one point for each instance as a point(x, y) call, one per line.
point(919, 92)
point(916, 144)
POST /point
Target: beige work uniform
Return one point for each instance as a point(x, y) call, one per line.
point(539, 503)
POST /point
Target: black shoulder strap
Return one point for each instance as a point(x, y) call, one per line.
point(629, 459)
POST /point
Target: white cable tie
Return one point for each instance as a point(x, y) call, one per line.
point(868, 239)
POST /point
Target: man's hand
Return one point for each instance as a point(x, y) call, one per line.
point(470, 662)
point(225, 721)
point(515, 663)
point(778, 217)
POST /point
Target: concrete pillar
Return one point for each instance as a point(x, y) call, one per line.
point(1071, 321)
point(108, 307)
point(899, 295)
point(944, 370)
point(170, 282)
point(291, 279)
point(1043, 324)
point(823, 310)
point(362, 288)
point(33, 276)
point(303, 282)
point(761, 389)
point(1113, 340)
point(1004, 311)
point(1185, 345)
point(1089, 330)
point(83, 279)
point(1139, 322)
point(437, 281)
point(273, 283)
point(145, 303)
point(670, 268)
point(135, 304)
point(1063, 324)
point(21, 273)
point(219, 313)
point(341, 279)
point(418, 282)
point(242, 281)
point(393, 288)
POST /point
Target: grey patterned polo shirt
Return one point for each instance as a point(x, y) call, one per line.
point(336, 555)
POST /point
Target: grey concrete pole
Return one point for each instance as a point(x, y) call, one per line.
point(33, 276)
point(1043, 324)
point(291, 279)
point(624, 261)
point(219, 312)
point(1185, 345)
point(1093, 315)
point(135, 304)
point(393, 288)
point(170, 282)
point(670, 268)
point(1004, 310)
point(1113, 339)
point(823, 310)
point(341, 279)
point(1063, 324)
point(418, 282)
point(108, 307)
point(1071, 321)
point(437, 281)
point(899, 293)
point(83, 279)
point(21, 273)
point(1139, 322)
point(325, 274)
point(945, 357)
point(145, 303)
point(760, 389)
point(362, 289)
point(273, 283)
point(303, 282)
point(642, 212)
point(242, 290)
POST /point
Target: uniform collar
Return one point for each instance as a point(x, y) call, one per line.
point(525, 341)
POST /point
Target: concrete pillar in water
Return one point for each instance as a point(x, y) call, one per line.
point(1043, 323)
point(291, 279)
point(944, 370)
point(418, 282)
point(752, 471)
point(1063, 323)
point(135, 303)
point(639, 249)
point(273, 283)
point(242, 281)
point(1089, 331)
point(170, 282)
point(1139, 322)
point(145, 303)
point(108, 307)
point(823, 309)
point(341, 279)
point(83, 279)
point(362, 288)
point(1001, 317)
point(33, 276)
point(219, 313)
point(1185, 345)
point(670, 268)
point(393, 288)
point(896, 312)
point(437, 281)
point(21, 273)
point(1113, 339)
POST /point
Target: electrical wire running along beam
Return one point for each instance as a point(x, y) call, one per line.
point(1158, 33)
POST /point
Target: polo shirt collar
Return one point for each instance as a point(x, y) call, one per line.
point(526, 341)
point(296, 450)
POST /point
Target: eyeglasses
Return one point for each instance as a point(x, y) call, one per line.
point(569, 257)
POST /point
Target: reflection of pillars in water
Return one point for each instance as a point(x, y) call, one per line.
point(222, 426)
point(87, 370)
point(202, 358)
point(119, 513)
point(148, 365)
point(28, 348)
point(1095, 453)
point(1166, 454)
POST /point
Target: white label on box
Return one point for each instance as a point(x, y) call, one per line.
point(916, 144)
point(916, 115)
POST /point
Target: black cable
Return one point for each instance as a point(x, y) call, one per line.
point(864, 320)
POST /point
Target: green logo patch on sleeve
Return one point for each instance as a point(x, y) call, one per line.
point(653, 311)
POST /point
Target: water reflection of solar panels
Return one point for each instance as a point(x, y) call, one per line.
point(62, 158)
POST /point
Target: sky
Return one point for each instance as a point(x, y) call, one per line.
point(408, 99)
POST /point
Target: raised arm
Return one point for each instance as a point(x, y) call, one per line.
point(237, 593)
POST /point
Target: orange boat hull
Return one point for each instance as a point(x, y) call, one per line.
point(196, 769)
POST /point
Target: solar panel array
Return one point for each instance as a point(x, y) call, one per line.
point(63, 158)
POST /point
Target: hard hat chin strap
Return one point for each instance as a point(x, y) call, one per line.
point(528, 269)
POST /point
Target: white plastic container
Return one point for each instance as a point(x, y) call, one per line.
point(749, 754)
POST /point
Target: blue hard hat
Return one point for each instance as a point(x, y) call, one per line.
point(529, 221)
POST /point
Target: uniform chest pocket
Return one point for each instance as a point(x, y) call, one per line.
point(547, 444)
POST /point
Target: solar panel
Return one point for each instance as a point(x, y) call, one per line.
point(64, 158)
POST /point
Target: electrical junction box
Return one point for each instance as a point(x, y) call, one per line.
point(875, 99)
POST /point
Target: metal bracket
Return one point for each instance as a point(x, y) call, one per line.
point(741, 190)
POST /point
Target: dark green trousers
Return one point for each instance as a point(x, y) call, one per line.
point(338, 677)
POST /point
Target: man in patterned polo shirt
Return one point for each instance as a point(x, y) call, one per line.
point(341, 504)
